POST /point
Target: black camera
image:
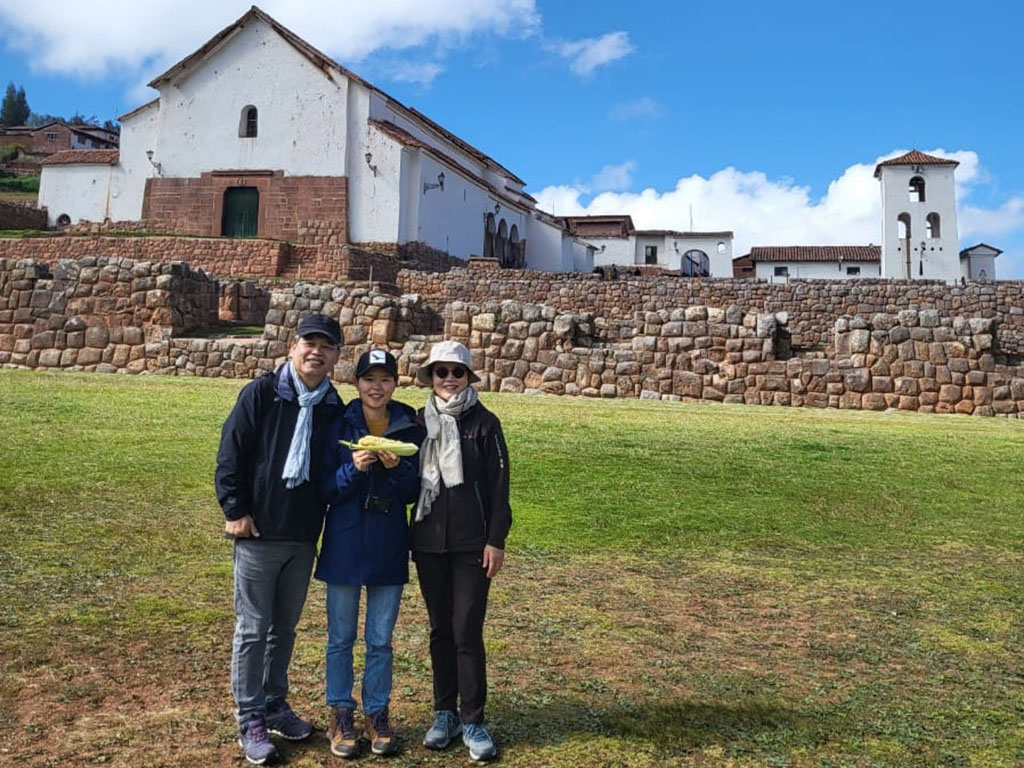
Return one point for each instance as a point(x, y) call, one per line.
point(377, 503)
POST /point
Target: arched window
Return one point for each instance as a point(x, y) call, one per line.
point(248, 124)
point(489, 229)
point(932, 228)
point(721, 247)
point(501, 243)
point(694, 263)
point(514, 249)
point(903, 226)
point(63, 220)
point(916, 190)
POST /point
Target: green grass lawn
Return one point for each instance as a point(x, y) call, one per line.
point(685, 585)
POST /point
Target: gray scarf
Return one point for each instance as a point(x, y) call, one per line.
point(296, 466)
point(441, 452)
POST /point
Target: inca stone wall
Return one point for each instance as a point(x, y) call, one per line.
point(812, 306)
point(97, 311)
point(18, 216)
point(117, 315)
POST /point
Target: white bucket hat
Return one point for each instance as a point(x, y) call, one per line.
point(446, 352)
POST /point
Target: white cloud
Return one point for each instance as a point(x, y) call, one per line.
point(763, 211)
point(614, 177)
point(106, 36)
point(414, 72)
point(590, 53)
point(644, 107)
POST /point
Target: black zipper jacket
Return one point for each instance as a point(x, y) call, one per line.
point(254, 445)
point(465, 518)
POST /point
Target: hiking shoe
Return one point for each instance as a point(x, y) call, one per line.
point(342, 733)
point(445, 728)
point(282, 721)
point(255, 741)
point(381, 734)
point(481, 745)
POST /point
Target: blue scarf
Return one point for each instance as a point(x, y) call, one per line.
point(296, 466)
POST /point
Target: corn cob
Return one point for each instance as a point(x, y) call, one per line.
point(377, 444)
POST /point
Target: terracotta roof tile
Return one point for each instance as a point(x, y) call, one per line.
point(677, 233)
point(817, 253)
point(967, 251)
point(83, 157)
point(914, 157)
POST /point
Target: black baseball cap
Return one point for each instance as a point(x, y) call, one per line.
point(377, 358)
point(323, 325)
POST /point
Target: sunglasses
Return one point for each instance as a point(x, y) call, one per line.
point(442, 371)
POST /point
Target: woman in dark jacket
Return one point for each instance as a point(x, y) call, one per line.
point(365, 543)
point(458, 542)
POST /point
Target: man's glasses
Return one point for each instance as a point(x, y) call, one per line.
point(442, 371)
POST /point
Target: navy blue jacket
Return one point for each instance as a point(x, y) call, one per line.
point(254, 444)
point(363, 544)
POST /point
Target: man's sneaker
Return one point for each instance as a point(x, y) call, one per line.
point(282, 721)
point(481, 745)
point(255, 742)
point(380, 733)
point(445, 728)
point(342, 733)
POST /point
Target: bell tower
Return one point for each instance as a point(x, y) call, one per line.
point(919, 234)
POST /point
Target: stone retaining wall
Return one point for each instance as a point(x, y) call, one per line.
point(18, 216)
point(97, 311)
point(116, 315)
point(813, 306)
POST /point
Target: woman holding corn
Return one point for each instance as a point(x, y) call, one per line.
point(458, 542)
point(365, 544)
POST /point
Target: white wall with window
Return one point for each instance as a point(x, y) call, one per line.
point(776, 271)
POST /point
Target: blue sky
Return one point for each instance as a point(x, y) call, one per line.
point(764, 118)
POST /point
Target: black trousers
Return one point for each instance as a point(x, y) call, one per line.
point(454, 587)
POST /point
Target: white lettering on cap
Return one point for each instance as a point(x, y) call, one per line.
point(377, 357)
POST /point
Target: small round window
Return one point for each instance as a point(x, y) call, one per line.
point(63, 220)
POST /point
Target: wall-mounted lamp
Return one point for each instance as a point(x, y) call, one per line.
point(159, 168)
point(369, 162)
point(497, 207)
point(440, 184)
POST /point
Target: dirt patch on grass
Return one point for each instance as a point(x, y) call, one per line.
point(593, 661)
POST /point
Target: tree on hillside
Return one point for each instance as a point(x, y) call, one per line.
point(14, 109)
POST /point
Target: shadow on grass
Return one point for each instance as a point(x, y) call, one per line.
point(678, 724)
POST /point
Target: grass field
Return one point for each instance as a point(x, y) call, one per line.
point(685, 585)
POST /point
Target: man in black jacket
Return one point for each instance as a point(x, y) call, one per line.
point(266, 484)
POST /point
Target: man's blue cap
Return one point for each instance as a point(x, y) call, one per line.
point(322, 325)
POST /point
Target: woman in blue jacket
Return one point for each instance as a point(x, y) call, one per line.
point(365, 544)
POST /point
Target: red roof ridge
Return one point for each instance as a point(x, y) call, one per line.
point(83, 157)
point(816, 253)
point(915, 157)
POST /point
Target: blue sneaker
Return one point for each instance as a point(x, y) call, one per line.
point(282, 721)
point(481, 745)
point(445, 728)
point(255, 742)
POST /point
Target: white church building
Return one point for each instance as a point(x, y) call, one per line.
point(919, 234)
point(259, 134)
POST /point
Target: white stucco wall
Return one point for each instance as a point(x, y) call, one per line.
point(80, 191)
point(980, 261)
point(544, 249)
point(617, 250)
point(816, 270)
point(301, 112)
point(942, 255)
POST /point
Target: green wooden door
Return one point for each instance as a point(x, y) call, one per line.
point(241, 211)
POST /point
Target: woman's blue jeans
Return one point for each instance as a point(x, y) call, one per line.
point(382, 604)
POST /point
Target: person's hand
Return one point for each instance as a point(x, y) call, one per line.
point(388, 459)
point(242, 528)
point(493, 559)
point(363, 459)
